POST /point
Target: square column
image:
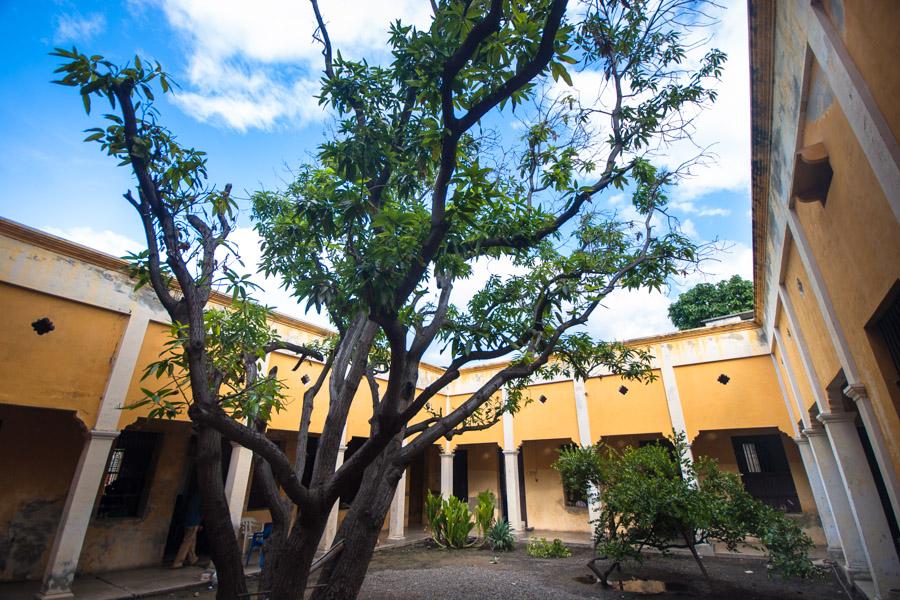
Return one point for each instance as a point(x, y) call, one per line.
point(585, 439)
point(76, 515)
point(818, 491)
point(332, 525)
point(397, 515)
point(513, 498)
point(236, 482)
point(446, 474)
point(854, 558)
point(865, 504)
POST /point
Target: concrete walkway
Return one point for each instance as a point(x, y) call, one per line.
point(138, 583)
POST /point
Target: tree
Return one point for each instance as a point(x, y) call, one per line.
point(708, 300)
point(418, 184)
point(654, 497)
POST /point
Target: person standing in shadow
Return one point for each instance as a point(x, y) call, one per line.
point(187, 552)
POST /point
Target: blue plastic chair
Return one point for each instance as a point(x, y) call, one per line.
point(258, 540)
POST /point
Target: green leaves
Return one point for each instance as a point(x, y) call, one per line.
point(654, 496)
point(709, 300)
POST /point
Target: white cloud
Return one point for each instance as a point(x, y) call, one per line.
point(77, 28)
point(104, 241)
point(724, 127)
point(256, 65)
point(690, 207)
point(631, 314)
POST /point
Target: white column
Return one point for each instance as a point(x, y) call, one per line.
point(792, 381)
point(673, 399)
point(845, 356)
point(585, 439)
point(511, 468)
point(865, 505)
point(66, 549)
point(833, 487)
point(332, 525)
point(397, 518)
point(819, 496)
point(76, 516)
point(236, 482)
point(446, 473)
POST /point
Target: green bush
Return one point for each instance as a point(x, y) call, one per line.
point(655, 497)
point(484, 512)
point(500, 537)
point(450, 521)
point(541, 548)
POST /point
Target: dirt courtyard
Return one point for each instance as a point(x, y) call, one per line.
point(419, 573)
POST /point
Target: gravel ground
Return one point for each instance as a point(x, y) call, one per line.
point(421, 573)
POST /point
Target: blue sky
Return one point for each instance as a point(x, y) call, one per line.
point(248, 73)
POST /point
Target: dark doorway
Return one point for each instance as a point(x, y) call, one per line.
point(521, 458)
point(188, 489)
point(416, 475)
point(879, 485)
point(501, 461)
point(765, 471)
point(461, 474)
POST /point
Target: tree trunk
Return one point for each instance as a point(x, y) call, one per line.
point(343, 577)
point(290, 571)
point(223, 546)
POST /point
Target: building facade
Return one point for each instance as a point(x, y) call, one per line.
point(826, 206)
point(802, 399)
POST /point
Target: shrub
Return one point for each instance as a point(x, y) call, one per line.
point(541, 548)
point(450, 521)
point(654, 497)
point(484, 512)
point(500, 537)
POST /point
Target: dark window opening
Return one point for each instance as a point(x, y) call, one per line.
point(461, 474)
point(256, 499)
point(574, 497)
point(765, 471)
point(126, 480)
point(347, 498)
point(888, 327)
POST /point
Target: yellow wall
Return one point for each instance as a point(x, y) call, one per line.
point(642, 410)
point(717, 445)
point(553, 419)
point(751, 398)
point(123, 543)
point(855, 236)
point(484, 472)
point(66, 368)
point(39, 449)
point(544, 499)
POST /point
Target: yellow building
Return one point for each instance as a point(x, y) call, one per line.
point(101, 488)
point(801, 398)
point(826, 204)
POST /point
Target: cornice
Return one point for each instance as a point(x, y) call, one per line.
point(761, 22)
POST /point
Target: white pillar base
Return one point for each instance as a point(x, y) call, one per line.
point(76, 516)
point(513, 497)
point(397, 516)
point(236, 482)
point(446, 474)
point(848, 535)
point(821, 500)
point(865, 504)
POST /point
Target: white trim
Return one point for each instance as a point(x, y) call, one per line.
point(857, 103)
point(784, 395)
point(792, 381)
point(799, 339)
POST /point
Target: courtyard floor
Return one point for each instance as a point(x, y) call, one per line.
point(420, 573)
